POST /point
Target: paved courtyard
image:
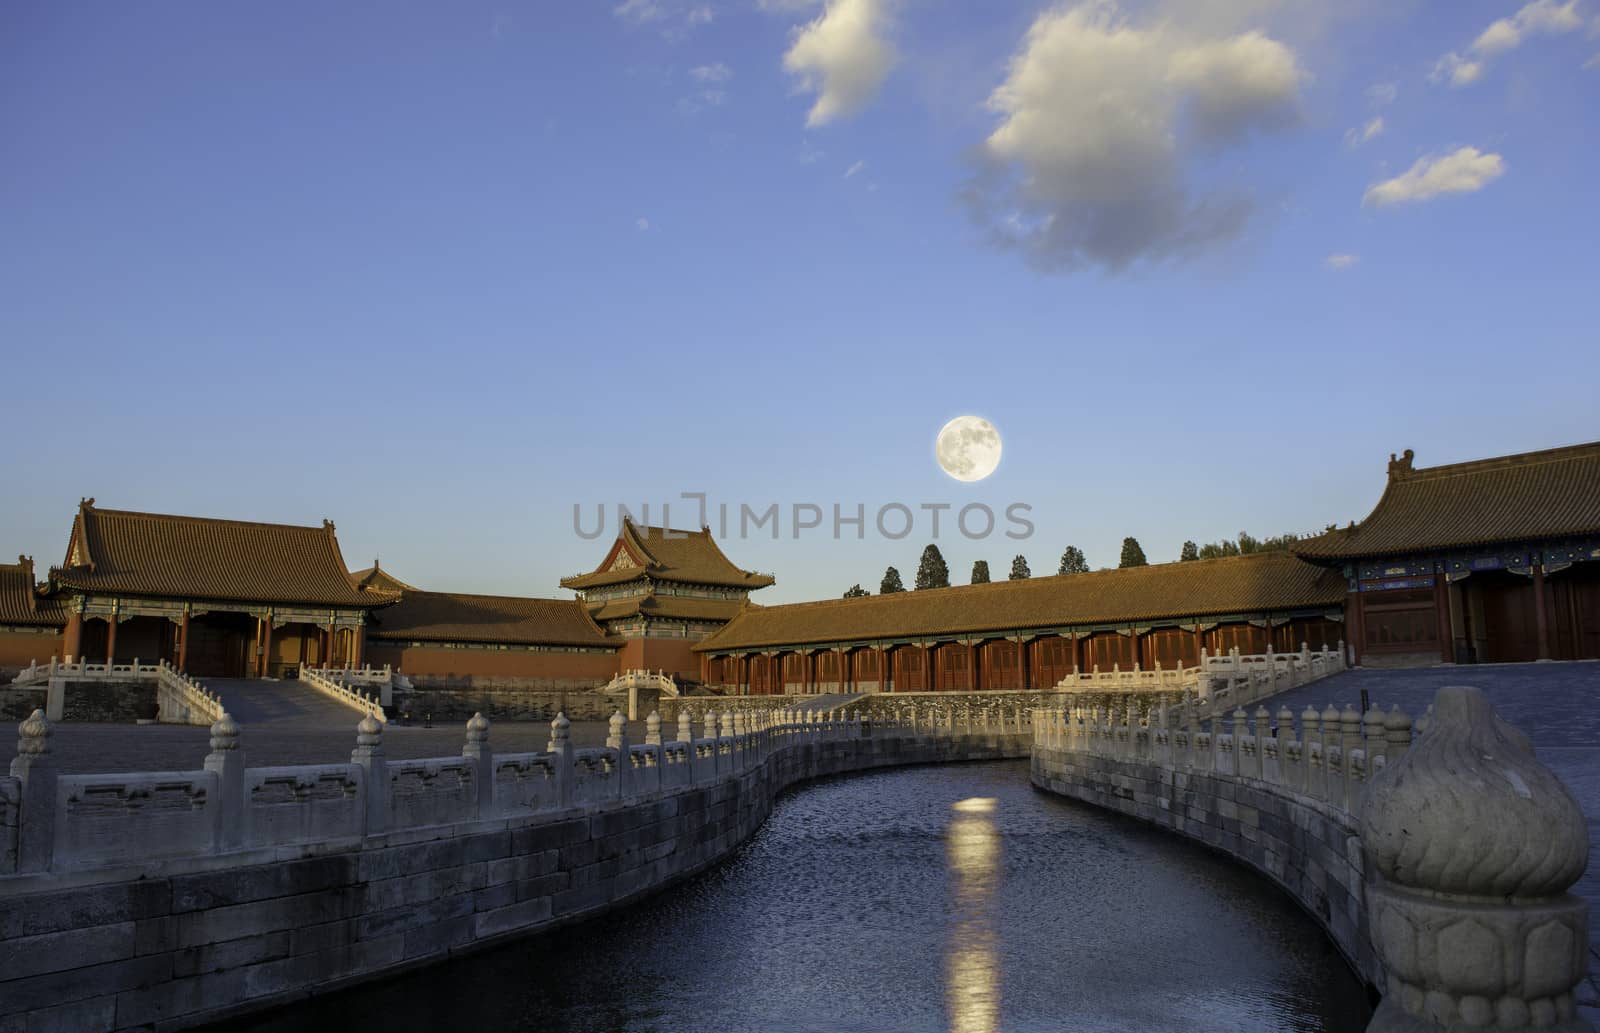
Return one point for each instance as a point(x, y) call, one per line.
point(282, 723)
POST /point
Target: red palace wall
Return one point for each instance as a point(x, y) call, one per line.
point(431, 661)
point(21, 648)
point(673, 655)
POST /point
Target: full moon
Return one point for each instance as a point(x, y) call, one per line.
point(968, 448)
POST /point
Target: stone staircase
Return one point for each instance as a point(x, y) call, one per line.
point(257, 702)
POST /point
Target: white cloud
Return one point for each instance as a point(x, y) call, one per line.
point(642, 224)
point(1381, 95)
point(1455, 70)
point(786, 6)
point(1539, 17)
point(673, 18)
point(1340, 262)
point(843, 57)
point(717, 72)
point(1462, 171)
point(857, 167)
point(1592, 63)
point(1359, 135)
point(810, 155)
point(1100, 120)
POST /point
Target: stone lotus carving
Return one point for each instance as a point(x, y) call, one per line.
point(1471, 845)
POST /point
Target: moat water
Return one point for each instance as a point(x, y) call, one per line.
point(919, 899)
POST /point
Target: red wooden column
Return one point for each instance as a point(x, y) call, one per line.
point(844, 670)
point(1541, 611)
point(72, 639)
point(974, 659)
point(1354, 627)
point(183, 641)
point(1441, 609)
point(1199, 641)
point(929, 653)
point(1138, 647)
point(358, 643)
point(266, 644)
point(1077, 653)
point(327, 652)
point(1024, 668)
point(111, 638)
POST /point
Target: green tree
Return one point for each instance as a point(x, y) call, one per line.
point(1072, 561)
point(891, 582)
point(1246, 544)
point(855, 592)
point(932, 572)
point(980, 572)
point(1190, 552)
point(1132, 554)
point(1019, 569)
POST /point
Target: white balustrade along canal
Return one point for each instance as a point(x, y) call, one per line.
point(1440, 867)
point(171, 899)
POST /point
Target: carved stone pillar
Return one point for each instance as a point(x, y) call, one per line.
point(1471, 847)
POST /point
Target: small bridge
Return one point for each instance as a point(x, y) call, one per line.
point(631, 682)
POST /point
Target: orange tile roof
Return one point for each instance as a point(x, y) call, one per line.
point(512, 620)
point(1268, 581)
point(1550, 494)
point(688, 556)
point(669, 607)
point(152, 554)
point(375, 578)
point(20, 602)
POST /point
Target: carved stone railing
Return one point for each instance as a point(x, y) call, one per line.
point(1229, 680)
point(71, 823)
point(37, 673)
point(1457, 851)
point(180, 699)
point(631, 682)
point(336, 684)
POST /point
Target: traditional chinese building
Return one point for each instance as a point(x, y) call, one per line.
point(219, 598)
point(30, 622)
point(1496, 560)
point(1028, 634)
point(1489, 561)
point(660, 591)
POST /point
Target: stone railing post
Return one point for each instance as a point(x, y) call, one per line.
point(652, 729)
point(368, 755)
point(708, 722)
point(560, 747)
point(476, 750)
point(1472, 847)
point(1291, 770)
point(1311, 752)
point(618, 740)
point(35, 767)
point(226, 761)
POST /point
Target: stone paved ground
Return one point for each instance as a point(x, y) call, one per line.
point(1556, 704)
point(281, 723)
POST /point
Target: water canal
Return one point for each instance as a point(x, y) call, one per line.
point(920, 899)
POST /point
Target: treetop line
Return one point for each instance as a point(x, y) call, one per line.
point(933, 572)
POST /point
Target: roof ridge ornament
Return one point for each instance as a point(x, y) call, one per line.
point(1402, 466)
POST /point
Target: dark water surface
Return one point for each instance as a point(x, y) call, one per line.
point(936, 898)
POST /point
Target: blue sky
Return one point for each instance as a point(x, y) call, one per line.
point(440, 272)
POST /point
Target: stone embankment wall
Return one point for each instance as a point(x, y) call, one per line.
point(1309, 849)
point(185, 940)
point(1441, 868)
point(540, 700)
